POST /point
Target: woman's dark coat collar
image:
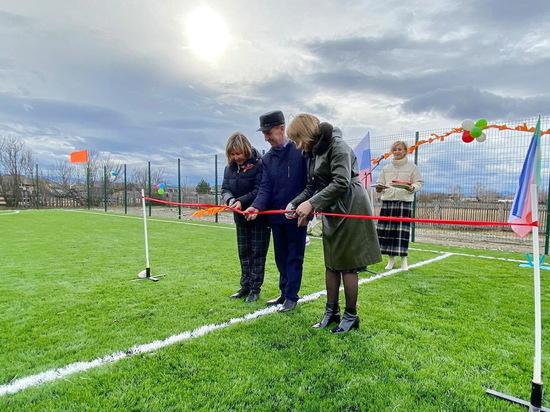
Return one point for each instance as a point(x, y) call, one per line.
point(325, 139)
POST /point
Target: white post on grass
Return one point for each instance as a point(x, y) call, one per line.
point(145, 228)
point(537, 370)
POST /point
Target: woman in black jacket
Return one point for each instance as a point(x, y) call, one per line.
point(241, 180)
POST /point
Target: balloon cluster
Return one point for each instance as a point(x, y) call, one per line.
point(161, 187)
point(474, 131)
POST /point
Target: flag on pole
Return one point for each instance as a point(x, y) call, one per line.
point(522, 209)
point(79, 157)
point(362, 152)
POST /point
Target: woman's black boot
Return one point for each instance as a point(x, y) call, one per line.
point(350, 320)
point(332, 315)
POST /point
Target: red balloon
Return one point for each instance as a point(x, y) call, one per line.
point(467, 137)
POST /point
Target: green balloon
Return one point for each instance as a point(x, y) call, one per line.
point(481, 123)
point(476, 131)
point(160, 191)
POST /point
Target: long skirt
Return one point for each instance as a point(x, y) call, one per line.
point(394, 236)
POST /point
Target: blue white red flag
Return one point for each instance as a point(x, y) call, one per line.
point(522, 209)
point(362, 152)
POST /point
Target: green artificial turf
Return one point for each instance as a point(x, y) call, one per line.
point(433, 338)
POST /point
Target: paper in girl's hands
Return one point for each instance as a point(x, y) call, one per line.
point(400, 184)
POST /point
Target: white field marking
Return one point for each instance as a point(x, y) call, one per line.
point(470, 255)
point(150, 219)
point(316, 295)
point(11, 212)
point(61, 373)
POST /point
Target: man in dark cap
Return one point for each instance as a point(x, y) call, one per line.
point(284, 176)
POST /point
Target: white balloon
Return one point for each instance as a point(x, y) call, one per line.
point(467, 124)
point(482, 138)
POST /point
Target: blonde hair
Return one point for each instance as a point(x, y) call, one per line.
point(237, 142)
point(304, 131)
point(399, 142)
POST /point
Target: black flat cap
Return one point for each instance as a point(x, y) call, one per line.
point(270, 120)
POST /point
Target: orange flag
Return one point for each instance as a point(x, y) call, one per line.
point(79, 157)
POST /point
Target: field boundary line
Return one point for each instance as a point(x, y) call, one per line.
point(149, 219)
point(470, 255)
point(61, 373)
point(11, 212)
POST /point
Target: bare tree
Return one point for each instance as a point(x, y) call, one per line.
point(140, 179)
point(96, 176)
point(482, 194)
point(15, 161)
point(455, 192)
point(71, 181)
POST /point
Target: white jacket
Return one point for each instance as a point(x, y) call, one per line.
point(403, 171)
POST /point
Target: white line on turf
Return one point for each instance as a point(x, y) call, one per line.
point(61, 373)
point(470, 255)
point(9, 212)
point(150, 219)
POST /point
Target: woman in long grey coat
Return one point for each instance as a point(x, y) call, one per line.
point(349, 244)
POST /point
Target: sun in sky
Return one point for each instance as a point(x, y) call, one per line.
point(206, 32)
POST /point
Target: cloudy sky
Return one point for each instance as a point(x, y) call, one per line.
point(150, 80)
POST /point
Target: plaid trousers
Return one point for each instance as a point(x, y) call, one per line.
point(252, 243)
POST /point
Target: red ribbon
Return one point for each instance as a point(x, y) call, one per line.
point(395, 219)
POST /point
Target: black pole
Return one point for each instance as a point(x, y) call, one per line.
point(125, 192)
point(88, 184)
point(179, 188)
point(37, 189)
point(546, 229)
point(149, 184)
point(105, 186)
point(536, 394)
point(216, 182)
point(413, 225)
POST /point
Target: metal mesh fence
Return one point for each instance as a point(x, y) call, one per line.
point(470, 181)
point(463, 181)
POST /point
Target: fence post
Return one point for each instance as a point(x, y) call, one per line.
point(37, 189)
point(179, 188)
point(216, 183)
point(547, 219)
point(88, 185)
point(105, 186)
point(413, 225)
point(125, 192)
point(149, 184)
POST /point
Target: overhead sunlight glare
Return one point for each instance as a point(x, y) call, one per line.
point(206, 32)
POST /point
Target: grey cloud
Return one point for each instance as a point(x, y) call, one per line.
point(465, 102)
point(12, 21)
point(506, 12)
point(49, 112)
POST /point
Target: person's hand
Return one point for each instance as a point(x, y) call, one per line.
point(302, 221)
point(410, 189)
point(251, 213)
point(291, 214)
point(304, 209)
point(237, 205)
point(380, 188)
